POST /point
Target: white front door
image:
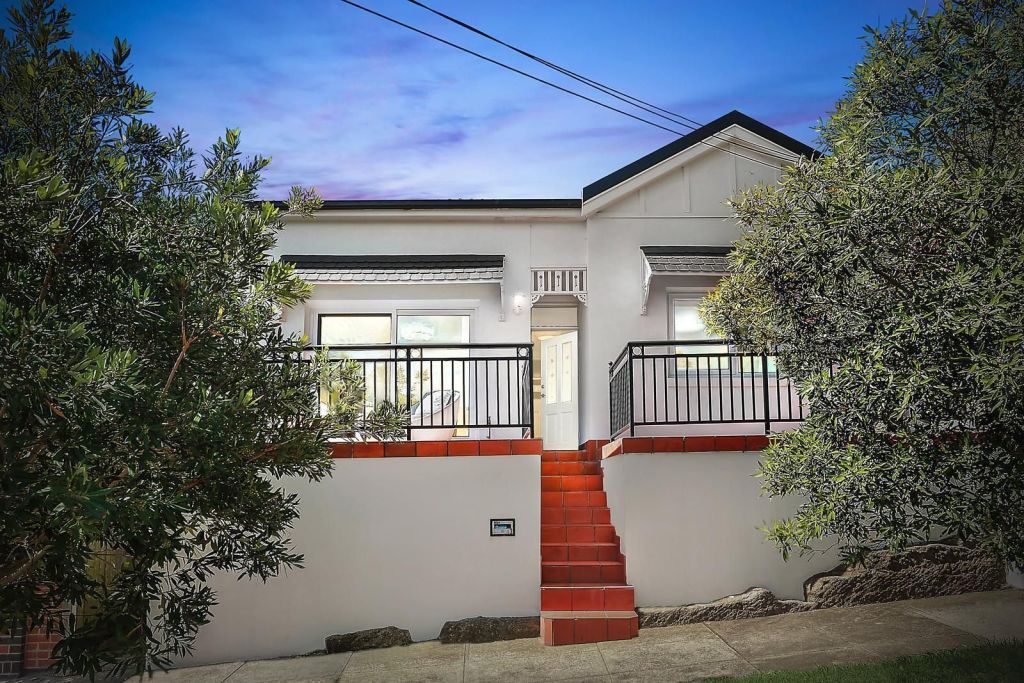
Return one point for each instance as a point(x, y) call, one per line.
point(559, 392)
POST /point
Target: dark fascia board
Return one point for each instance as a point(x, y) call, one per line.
point(694, 138)
point(441, 204)
point(685, 251)
point(394, 261)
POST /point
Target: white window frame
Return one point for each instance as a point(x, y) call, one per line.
point(695, 295)
point(393, 315)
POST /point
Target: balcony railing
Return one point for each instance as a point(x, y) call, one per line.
point(661, 383)
point(449, 390)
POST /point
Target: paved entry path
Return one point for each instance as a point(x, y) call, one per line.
point(675, 653)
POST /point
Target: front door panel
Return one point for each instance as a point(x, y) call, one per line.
point(559, 400)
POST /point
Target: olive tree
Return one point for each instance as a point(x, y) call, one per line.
point(149, 400)
point(888, 275)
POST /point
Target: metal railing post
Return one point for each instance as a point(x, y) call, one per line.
point(611, 398)
point(408, 392)
point(764, 392)
point(632, 412)
point(529, 382)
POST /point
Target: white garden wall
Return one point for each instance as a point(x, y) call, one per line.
point(390, 542)
point(689, 528)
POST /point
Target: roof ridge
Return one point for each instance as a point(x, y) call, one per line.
point(695, 137)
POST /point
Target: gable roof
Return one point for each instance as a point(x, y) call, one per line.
point(733, 118)
point(595, 188)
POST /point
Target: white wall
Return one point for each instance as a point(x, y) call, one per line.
point(390, 542)
point(689, 528)
point(615, 235)
point(523, 241)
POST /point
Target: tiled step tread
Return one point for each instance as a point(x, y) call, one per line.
point(560, 552)
point(583, 533)
point(581, 563)
point(583, 544)
point(588, 614)
point(573, 499)
point(583, 584)
point(571, 482)
point(588, 597)
point(559, 515)
point(564, 469)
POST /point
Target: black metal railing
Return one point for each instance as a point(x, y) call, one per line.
point(654, 383)
point(448, 388)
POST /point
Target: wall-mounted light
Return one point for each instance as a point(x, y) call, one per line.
point(518, 302)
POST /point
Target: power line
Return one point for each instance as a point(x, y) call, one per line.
point(650, 108)
point(546, 82)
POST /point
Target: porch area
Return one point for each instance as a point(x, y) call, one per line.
point(662, 388)
point(457, 391)
point(667, 388)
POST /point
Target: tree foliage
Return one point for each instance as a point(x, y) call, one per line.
point(148, 398)
point(897, 260)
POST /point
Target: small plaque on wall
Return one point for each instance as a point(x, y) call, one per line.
point(503, 527)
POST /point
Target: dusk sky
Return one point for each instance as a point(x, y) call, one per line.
point(362, 109)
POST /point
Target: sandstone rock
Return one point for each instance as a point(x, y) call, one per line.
point(489, 629)
point(917, 572)
point(368, 640)
point(755, 602)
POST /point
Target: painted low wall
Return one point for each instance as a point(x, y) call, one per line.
point(689, 528)
point(1015, 576)
point(390, 542)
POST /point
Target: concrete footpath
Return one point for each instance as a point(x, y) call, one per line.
point(676, 653)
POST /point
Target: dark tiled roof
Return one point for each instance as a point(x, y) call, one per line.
point(398, 268)
point(695, 138)
point(393, 261)
point(440, 204)
point(687, 259)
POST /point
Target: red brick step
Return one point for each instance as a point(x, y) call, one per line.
point(584, 594)
point(555, 552)
point(569, 627)
point(586, 597)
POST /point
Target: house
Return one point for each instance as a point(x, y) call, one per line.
point(531, 299)
point(551, 335)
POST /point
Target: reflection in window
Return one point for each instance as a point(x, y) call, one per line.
point(433, 329)
point(687, 325)
point(431, 379)
point(340, 330)
point(360, 330)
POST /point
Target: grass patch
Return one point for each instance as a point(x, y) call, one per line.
point(992, 662)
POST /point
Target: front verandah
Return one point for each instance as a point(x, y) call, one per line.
point(655, 388)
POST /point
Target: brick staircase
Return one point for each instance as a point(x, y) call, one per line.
point(584, 597)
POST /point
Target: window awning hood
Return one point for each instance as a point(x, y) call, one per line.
point(397, 269)
point(680, 261)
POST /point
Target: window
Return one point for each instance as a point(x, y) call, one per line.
point(359, 330)
point(687, 326)
point(384, 369)
point(442, 380)
point(354, 330)
point(433, 329)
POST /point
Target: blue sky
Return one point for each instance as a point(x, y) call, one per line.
point(361, 109)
